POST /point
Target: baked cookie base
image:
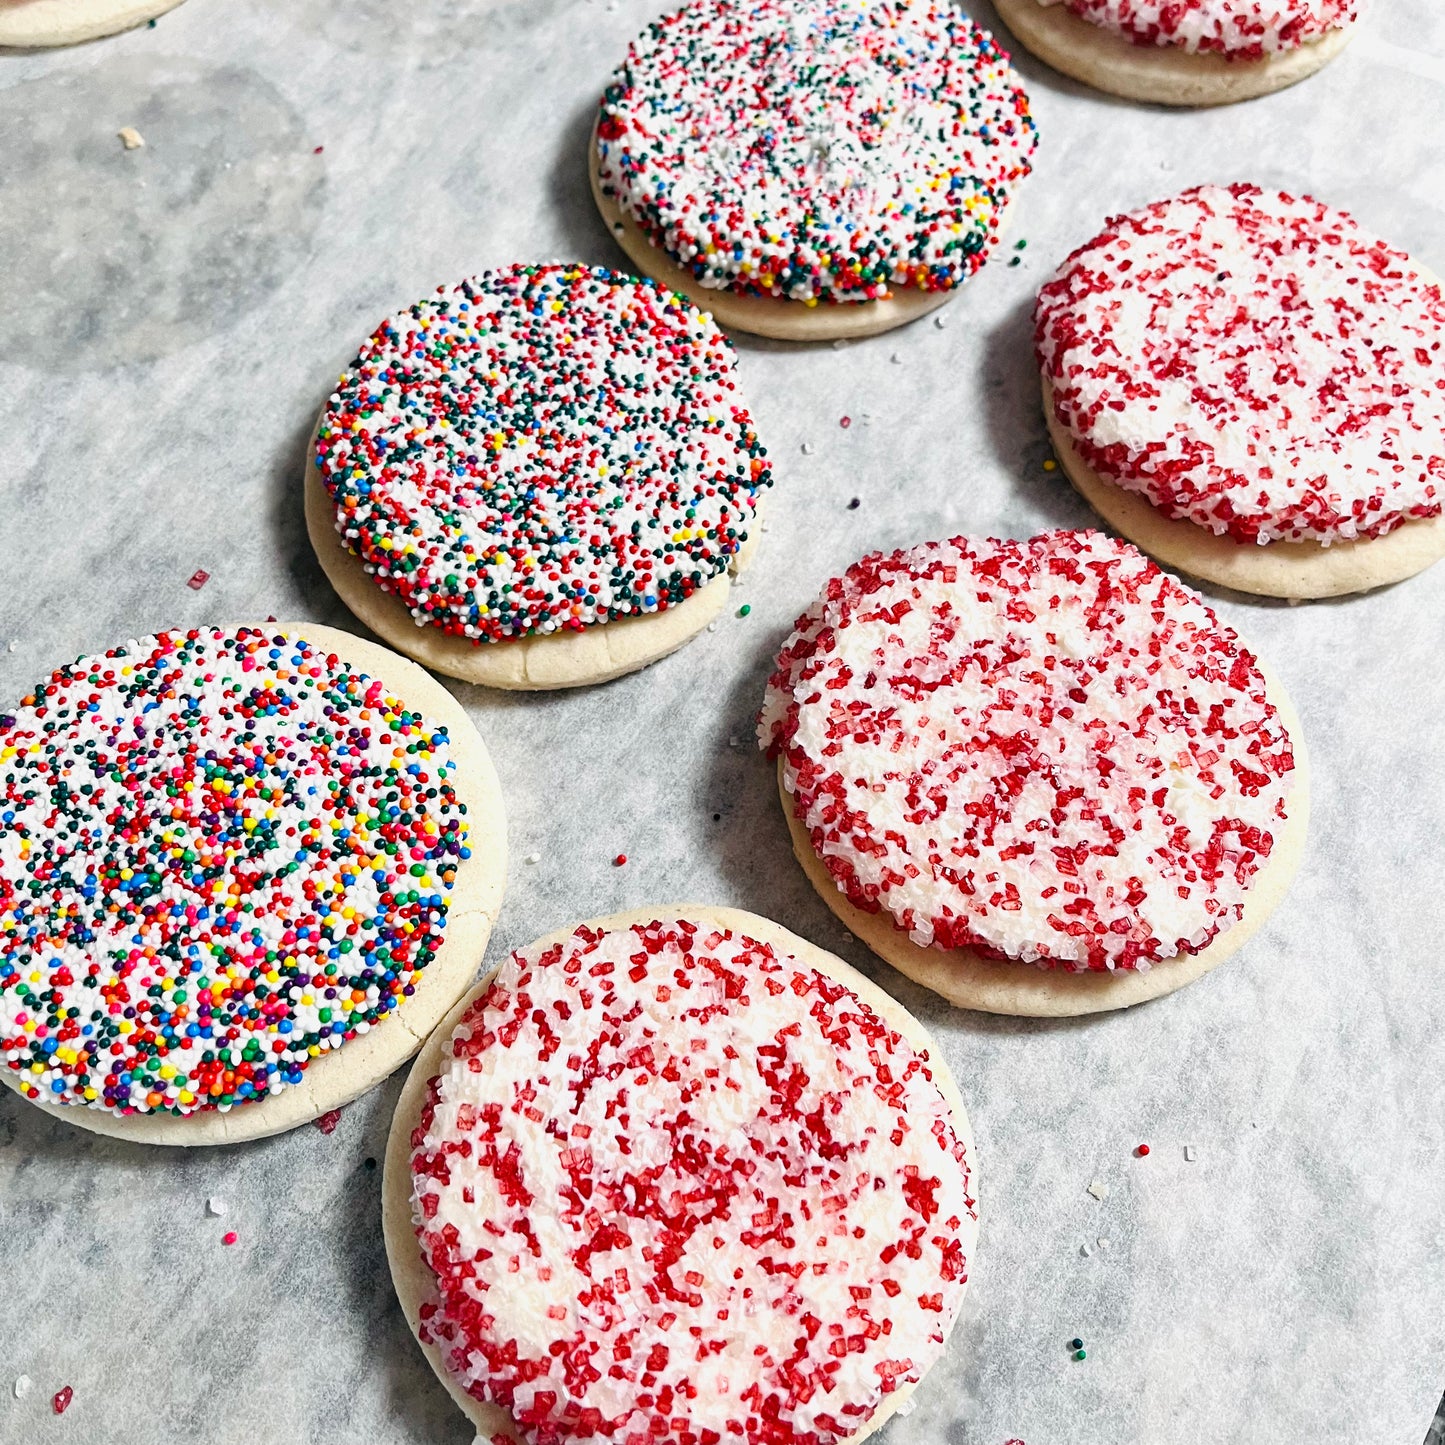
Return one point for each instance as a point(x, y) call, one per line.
point(345, 1073)
point(410, 1273)
point(561, 659)
point(779, 319)
point(1003, 986)
point(34, 24)
point(1300, 571)
point(1163, 74)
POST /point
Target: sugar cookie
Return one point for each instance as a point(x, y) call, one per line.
point(1252, 388)
point(811, 169)
point(1039, 777)
point(243, 872)
point(1183, 52)
point(541, 477)
point(34, 24)
point(679, 1167)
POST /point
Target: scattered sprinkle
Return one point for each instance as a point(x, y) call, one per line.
point(368, 1163)
point(1099, 1189)
point(534, 857)
point(1081, 1354)
point(896, 359)
point(22, 1386)
point(1142, 1151)
point(845, 422)
point(216, 1206)
point(60, 1401)
point(318, 150)
point(1076, 1343)
point(229, 1237)
point(855, 504)
point(619, 860)
point(712, 627)
point(328, 1121)
point(1020, 245)
point(130, 138)
point(808, 449)
point(1189, 1152)
point(1085, 1250)
point(940, 322)
point(1103, 1241)
point(14, 643)
point(1050, 465)
point(197, 580)
point(744, 610)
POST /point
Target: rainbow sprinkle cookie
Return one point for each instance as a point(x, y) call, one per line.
point(816, 150)
point(223, 855)
point(680, 1177)
point(1044, 752)
point(538, 451)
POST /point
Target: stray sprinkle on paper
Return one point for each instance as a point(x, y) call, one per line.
point(22, 1387)
point(766, 526)
point(840, 343)
point(1099, 1190)
point(197, 580)
point(808, 449)
point(1103, 1241)
point(896, 359)
point(14, 643)
point(712, 627)
point(534, 857)
point(940, 322)
point(733, 740)
point(216, 1206)
point(130, 138)
point(1189, 1152)
point(1085, 1250)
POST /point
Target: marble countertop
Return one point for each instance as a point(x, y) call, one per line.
point(173, 317)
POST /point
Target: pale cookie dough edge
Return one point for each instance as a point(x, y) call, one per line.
point(37, 24)
point(780, 320)
point(1002, 986)
point(597, 654)
point(346, 1073)
point(1160, 74)
point(1300, 571)
point(410, 1273)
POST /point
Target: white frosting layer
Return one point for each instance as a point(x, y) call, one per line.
point(1240, 29)
point(670, 1175)
point(1051, 750)
point(1253, 362)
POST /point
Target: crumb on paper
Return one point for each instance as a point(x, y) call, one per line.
point(21, 1387)
point(1085, 1249)
point(328, 1121)
point(1103, 1241)
point(1190, 1152)
point(130, 138)
point(808, 449)
point(216, 1206)
point(1099, 1190)
point(940, 322)
point(712, 627)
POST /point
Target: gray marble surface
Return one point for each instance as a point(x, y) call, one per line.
point(172, 318)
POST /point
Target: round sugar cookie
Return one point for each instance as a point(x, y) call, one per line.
point(680, 1183)
point(540, 478)
point(35, 24)
point(811, 169)
point(1183, 52)
point(243, 873)
point(1037, 777)
point(1252, 388)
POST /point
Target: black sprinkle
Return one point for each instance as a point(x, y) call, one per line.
point(855, 504)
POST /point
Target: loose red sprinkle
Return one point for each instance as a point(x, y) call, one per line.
point(61, 1401)
point(229, 1237)
point(619, 860)
point(1142, 1150)
point(328, 1121)
point(318, 150)
point(198, 580)
point(845, 422)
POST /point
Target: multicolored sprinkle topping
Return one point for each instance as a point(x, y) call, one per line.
point(817, 150)
point(676, 1186)
point(1236, 29)
point(222, 854)
point(1252, 362)
point(540, 448)
point(1046, 750)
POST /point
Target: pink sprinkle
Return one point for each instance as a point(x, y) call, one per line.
point(318, 150)
point(61, 1400)
point(328, 1121)
point(198, 580)
point(229, 1237)
point(845, 422)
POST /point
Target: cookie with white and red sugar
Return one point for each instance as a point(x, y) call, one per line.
point(243, 873)
point(679, 1176)
point(1184, 52)
point(541, 477)
point(1039, 777)
point(35, 24)
point(812, 169)
point(1251, 386)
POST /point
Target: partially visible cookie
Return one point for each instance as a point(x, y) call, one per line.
point(243, 872)
point(35, 24)
point(1252, 387)
point(678, 1174)
point(811, 169)
point(539, 478)
point(1183, 52)
point(1039, 777)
